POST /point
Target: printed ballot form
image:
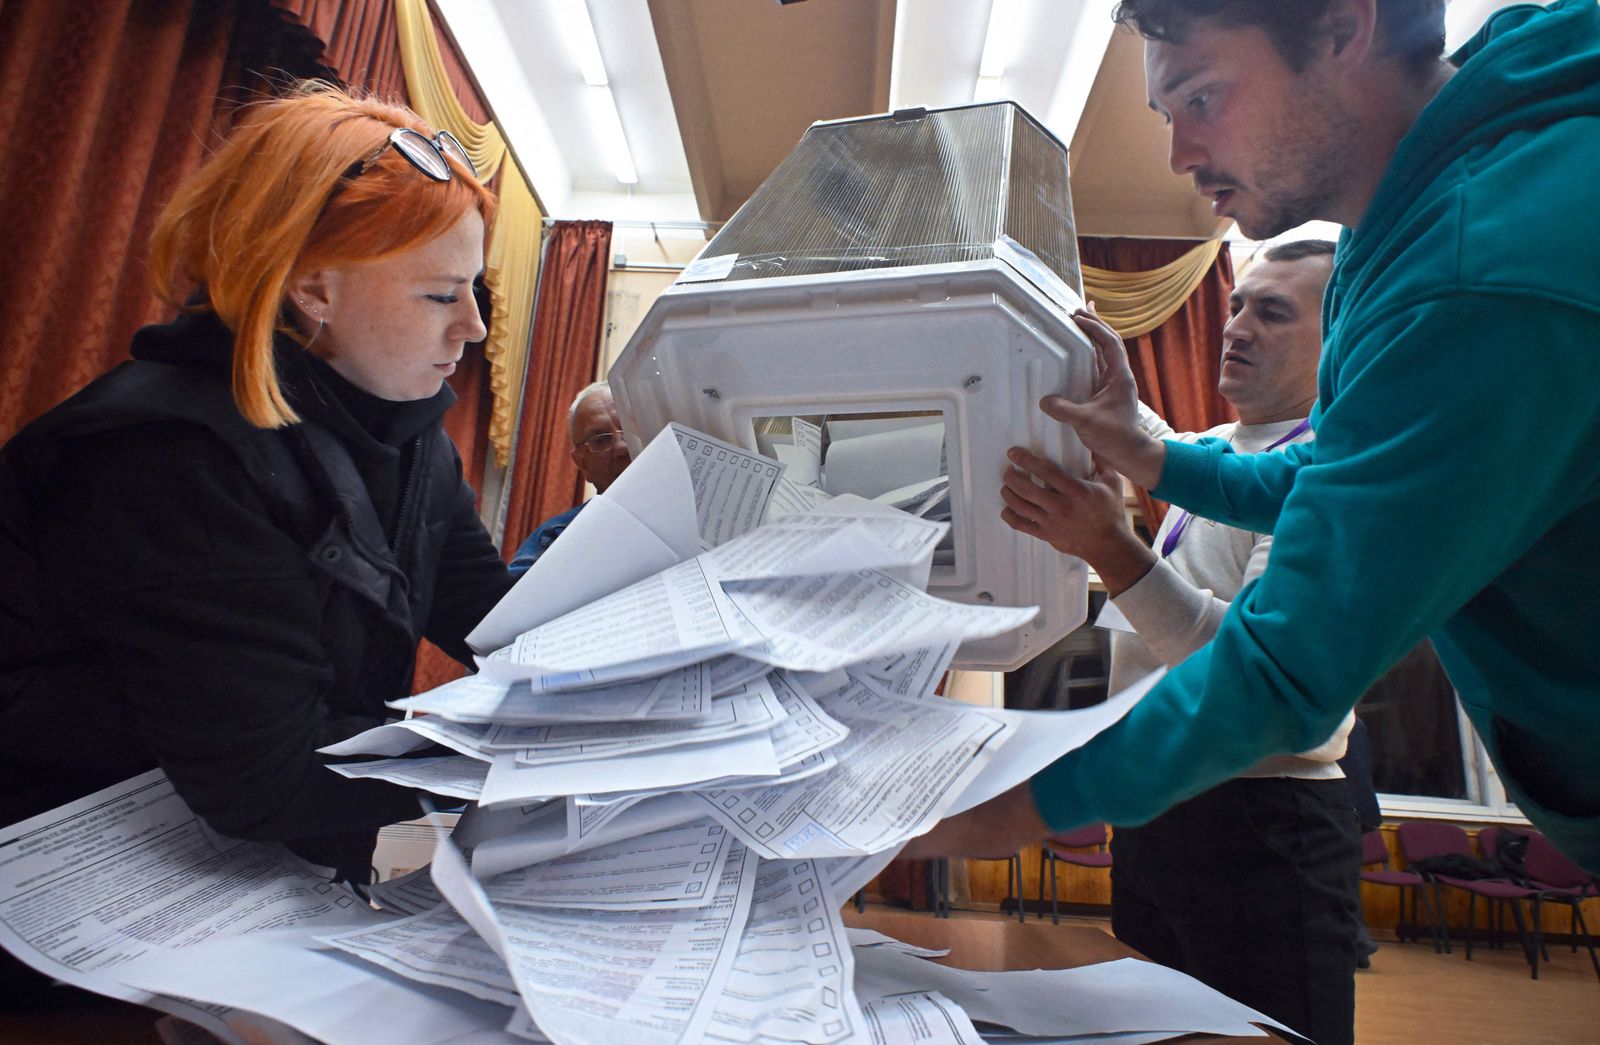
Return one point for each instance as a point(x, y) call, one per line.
point(902, 764)
point(130, 870)
point(705, 716)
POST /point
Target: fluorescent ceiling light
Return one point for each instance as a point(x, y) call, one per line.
point(607, 123)
point(1000, 42)
point(999, 47)
point(576, 28)
point(577, 32)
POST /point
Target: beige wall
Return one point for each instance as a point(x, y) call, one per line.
point(631, 291)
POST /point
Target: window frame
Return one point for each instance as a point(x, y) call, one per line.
point(1486, 800)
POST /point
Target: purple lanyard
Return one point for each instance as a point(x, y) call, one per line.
point(1175, 534)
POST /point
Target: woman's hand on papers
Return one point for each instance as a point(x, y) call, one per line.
point(1108, 421)
point(1082, 517)
point(994, 830)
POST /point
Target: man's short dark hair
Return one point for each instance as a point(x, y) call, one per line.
point(1410, 29)
point(1296, 249)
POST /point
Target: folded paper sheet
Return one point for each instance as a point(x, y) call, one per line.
point(706, 716)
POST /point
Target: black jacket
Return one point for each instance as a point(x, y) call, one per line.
point(179, 588)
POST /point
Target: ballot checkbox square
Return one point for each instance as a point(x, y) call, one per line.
point(829, 998)
point(730, 801)
point(708, 848)
point(695, 888)
point(702, 867)
point(764, 830)
point(819, 950)
point(810, 905)
point(807, 886)
point(746, 815)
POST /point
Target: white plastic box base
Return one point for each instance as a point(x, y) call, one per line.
point(981, 342)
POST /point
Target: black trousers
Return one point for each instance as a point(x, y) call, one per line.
point(1251, 888)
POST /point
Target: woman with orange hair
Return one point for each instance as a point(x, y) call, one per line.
point(222, 555)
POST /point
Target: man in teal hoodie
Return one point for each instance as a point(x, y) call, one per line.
point(1453, 490)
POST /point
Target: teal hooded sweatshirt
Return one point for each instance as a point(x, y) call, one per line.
point(1453, 490)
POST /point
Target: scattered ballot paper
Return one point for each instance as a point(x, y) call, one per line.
point(706, 716)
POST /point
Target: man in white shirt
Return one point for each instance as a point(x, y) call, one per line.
point(1251, 886)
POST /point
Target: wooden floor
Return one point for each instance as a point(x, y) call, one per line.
point(1412, 996)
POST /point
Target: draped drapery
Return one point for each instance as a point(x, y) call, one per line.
point(1135, 303)
point(105, 108)
point(511, 267)
point(562, 359)
point(435, 97)
point(358, 40)
point(1177, 363)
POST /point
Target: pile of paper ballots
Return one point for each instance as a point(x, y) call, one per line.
point(702, 721)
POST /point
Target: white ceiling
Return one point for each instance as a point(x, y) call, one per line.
point(712, 94)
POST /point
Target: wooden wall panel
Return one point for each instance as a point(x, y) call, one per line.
point(982, 885)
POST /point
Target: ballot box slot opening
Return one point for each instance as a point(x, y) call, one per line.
point(897, 458)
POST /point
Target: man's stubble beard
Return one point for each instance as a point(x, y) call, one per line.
point(1303, 180)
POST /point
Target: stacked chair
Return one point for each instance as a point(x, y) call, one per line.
point(1544, 877)
point(1063, 848)
point(1556, 879)
point(1374, 852)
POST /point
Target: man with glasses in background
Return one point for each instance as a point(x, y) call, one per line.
point(601, 455)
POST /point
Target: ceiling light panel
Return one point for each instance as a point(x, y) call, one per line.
point(1000, 42)
point(607, 124)
point(576, 30)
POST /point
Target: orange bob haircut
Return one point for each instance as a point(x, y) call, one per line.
point(275, 202)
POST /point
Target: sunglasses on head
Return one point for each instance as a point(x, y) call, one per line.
point(426, 154)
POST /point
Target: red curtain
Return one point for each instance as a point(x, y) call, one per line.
point(562, 358)
point(358, 40)
point(121, 100)
point(104, 107)
point(1177, 365)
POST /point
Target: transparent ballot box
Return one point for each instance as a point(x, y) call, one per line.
point(883, 315)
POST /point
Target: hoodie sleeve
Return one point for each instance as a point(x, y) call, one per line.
point(1247, 491)
point(1458, 432)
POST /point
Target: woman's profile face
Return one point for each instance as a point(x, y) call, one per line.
point(396, 328)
